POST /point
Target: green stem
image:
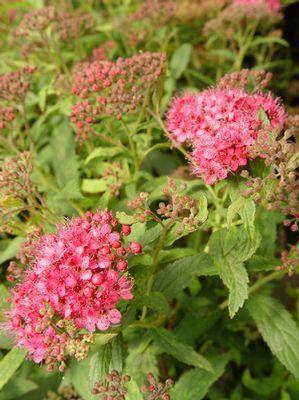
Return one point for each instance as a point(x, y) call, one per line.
point(155, 258)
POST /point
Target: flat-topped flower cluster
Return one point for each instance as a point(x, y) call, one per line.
point(220, 124)
point(76, 277)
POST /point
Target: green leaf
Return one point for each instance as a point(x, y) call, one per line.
point(266, 385)
point(116, 362)
point(235, 277)
point(4, 294)
point(228, 257)
point(194, 384)
point(180, 60)
point(80, 373)
point(278, 329)
point(103, 338)
point(175, 254)
point(156, 302)
point(246, 210)
point(140, 361)
point(94, 185)
point(9, 364)
point(176, 276)
point(64, 162)
point(17, 388)
point(99, 365)
point(11, 250)
point(124, 218)
point(169, 344)
point(103, 152)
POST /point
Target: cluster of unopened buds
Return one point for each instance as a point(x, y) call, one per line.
point(18, 192)
point(279, 189)
point(15, 178)
point(66, 392)
point(242, 13)
point(115, 389)
point(289, 261)
point(13, 90)
point(75, 279)
point(181, 208)
point(141, 208)
point(113, 88)
point(150, 13)
point(253, 81)
point(39, 25)
point(114, 176)
point(155, 390)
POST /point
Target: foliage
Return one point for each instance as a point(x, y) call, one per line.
point(95, 98)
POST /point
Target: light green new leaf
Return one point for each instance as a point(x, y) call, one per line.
point(195, 383)
point(93, 185)
point(278, 329)
point(134, 392)
point(13, 246)
point(169, 344)
point(9, 364)
point(176, 276)
point(64, 161)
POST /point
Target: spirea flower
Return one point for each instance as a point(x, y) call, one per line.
point(220, 125)
point(113, 88)
point(75, 276)
point(273, 5)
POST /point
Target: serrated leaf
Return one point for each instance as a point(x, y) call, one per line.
point(278, 329)
point(99, 365)
point(228, 258)
point(116, 362)
point(235, 277)
point(246, 210)
point(176, 276)
point(169, 344)
point(180, 60)
point(194, 384)
point(9, 364)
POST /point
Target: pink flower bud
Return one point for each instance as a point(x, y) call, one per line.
point(135, 247)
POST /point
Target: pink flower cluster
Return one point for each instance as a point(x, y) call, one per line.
point(75, 275)
point(273, 5)
point(220, 125)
